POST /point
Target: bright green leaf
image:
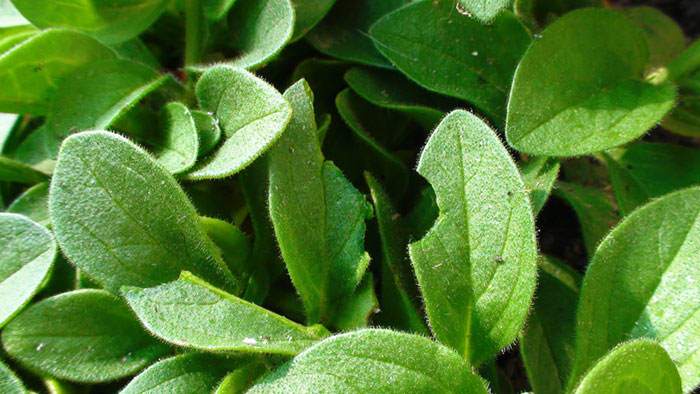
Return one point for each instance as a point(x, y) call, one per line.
point(27, 252)
point(539, 175)
point(579, 87)
point(484, 10)
point(30, 72)
point(374, 361)
point(635, 366)
point(122, 218)
point(454, 54)
point(92, 337)
point(177, 147)
point(476, 266)
point(209, 131)
point(251, 113)
point(643, 282)
point(33, 203)
point(189, 312)
point(318, 215)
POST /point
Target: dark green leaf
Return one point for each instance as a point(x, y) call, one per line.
point(9, 382)
point(92, 337)
point(307, 13)
point(15, 171)
point(477, 265)
point(454, 54)
point(664, 37)
point(123, 219)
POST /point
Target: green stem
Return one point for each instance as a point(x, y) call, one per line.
point(193, 31)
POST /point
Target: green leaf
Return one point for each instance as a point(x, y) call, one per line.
point(307, 14)
point(27, 252)
point(15, 171)
point(183, 374)
point(484, 10)
point(399, 295)
point(664, 37)
point(547, 342)
point(190, 312)
point(359, 115)
point(11, 36)
point(388, 89)
point(110, 22)
point(539, 175)
point(687, 63)
point(537, 13)
point(9, 382)
point(122, 218)
point(476, 266)
point(259, 30)
point(685, 118)
point(594, 209)
point(643, 171)
point(318, 216)
point(356, 311)
point(579, 87)
point(217, 9)
point(39, 62)
point(634, 366)
point(643, 282)
point(240, 380)
point(454, 54)
point(177, 148)
point(233, 244)
point(376, 361)
point(94, 96)
point(251, 113)
point(209, 131)
point(93, 337)
point(343, 33)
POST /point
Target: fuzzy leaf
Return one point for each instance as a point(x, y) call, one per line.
point(123, 219)
point(34, 204)
point(183, 374)
point(9, 382)
point(251, 113)
point(579, 87)
point(177, 148)
point(209, 131)
point(539, 175)
point(93, 337)
point(190, 312)
point(318, 216)
point(484, 10)
point(476, 266)
point(27, 252)
point(39, 62)
point(634, 366)
point(642, 282)
point(374, 361)
point(454, 54)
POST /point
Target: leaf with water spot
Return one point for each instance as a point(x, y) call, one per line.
point(476, 266)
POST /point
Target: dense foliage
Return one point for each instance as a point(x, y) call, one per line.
point(348, 196)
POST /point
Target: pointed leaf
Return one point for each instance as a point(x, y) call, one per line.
point(476, 266)
point(643, 282)
point(579, 87)
point(123, 219)
point(190, 312)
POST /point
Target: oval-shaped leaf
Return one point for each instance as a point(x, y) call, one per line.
point(579, 87)
point(27, 252)
point(664, 37)
point(643, 282)
point(189, 312)
point(93, 337)
point(635, 366)
point(209, 131)
point(183, 374)
point(454, 54)
point(642, 171)
point(123, 219)
point(251, 113)
point(476, 266)
point(30, 71)
point(344, 32)
point(177, 146)
point(307, 13)
point(317, 214)
point(374, 361)
point(34, 204)
point(111, 22)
